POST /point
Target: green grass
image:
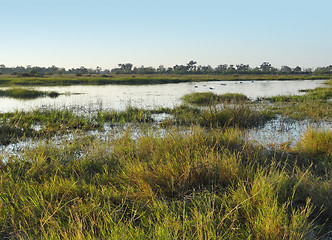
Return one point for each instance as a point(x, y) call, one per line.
point(22, 93)
point(198, 185)
point(9, 134)
point(316, 143)
point(241, 115)
point(51, 122)
point(208, 98)
point(314, 104)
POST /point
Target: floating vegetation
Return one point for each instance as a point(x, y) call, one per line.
point(23, 93)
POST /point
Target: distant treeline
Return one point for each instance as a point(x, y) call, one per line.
point(190, 68)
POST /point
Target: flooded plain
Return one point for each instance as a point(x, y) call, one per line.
point(118, 97)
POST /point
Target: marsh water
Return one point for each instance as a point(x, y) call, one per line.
point(118, 97)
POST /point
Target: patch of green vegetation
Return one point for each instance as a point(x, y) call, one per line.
point(130, 114)
point(203, 98)
point(316, 145)
point(195, 185)
point(233, 97)
point(57, 122)
point(208, 98)
point(315, 104)
point(10, 134)
point(22, 93)
point(241, 116)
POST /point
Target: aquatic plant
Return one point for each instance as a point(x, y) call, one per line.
point(242, 116)
point(208, 98)
point(315, 104)
point(22, 93)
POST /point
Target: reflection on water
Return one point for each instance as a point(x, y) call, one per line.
point(118, 97)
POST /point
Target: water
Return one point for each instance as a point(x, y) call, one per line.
point(281, 130)
point(118, 97)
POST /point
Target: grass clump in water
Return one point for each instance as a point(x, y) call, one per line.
point(316, 143)
point(203, 98)
point(315, 146)
point(208, 98)
point(52, 122)
point(314, 104)
point(130, 114)
point(10, 134)
point(22, 93)
point(229, 116)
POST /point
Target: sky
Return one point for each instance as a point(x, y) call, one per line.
point(91, 33)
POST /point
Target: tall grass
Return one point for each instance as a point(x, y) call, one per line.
point(50, 122)
point(316, 143)
point(208, 98)
point(241, 115)
point(202, 184)
point(315, 104)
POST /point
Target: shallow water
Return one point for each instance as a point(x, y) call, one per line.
point(118, 97)
point(281, 130)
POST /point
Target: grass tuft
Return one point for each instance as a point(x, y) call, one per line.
point(22, 93)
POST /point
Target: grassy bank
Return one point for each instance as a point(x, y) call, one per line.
point(137, 79)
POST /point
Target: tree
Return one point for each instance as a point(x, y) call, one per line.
point(242, 68)
point(191, 65)
point(285, 69)
point(231, 69)
point(125, 67)
point(98, 70)
point(297, 69)
point(32, 72)
point(265, 67)
point(221, 68)
point(161, 69)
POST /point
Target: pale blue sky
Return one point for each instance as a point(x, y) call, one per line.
point(90, 33)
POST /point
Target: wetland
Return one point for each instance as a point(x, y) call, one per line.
point(195, 159)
